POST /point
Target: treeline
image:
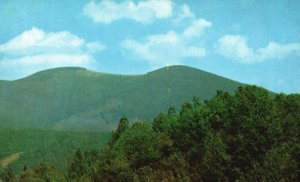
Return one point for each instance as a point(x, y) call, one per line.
point(247, 136)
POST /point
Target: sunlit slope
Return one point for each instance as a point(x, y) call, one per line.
point(78, 99)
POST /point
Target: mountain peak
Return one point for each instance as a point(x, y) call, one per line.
point(173, 68)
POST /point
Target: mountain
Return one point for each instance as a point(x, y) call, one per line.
point(79, 99)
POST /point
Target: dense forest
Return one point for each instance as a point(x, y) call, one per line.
point(28, 147)
point(250, 135)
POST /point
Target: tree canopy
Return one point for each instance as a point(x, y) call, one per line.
point(246, 136)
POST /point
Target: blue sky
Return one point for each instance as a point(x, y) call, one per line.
point(251, 41)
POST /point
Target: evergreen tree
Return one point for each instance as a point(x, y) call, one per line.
point(77, 168)
point(122, 126)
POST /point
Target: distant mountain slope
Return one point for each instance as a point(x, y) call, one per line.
point(78, 99)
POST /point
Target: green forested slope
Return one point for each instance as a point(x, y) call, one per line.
point(78, 99)
point(246, 136)
point(54, 147)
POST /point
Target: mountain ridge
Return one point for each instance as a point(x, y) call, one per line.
point(59, 69)
point(73, 98)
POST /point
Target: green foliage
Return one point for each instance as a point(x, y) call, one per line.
point(122, 126)
point(77, 168)
point(139, 145)
point(42, 173)
point(54, 147)
point(246, 136)
point(7, 175)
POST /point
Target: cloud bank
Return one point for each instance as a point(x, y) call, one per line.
point(236, 47)
point(143, 11)
point(171, 47)
point(35, 50)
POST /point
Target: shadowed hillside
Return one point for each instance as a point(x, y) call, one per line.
point(78, 99)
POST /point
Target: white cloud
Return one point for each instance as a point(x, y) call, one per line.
point(197, 28)
point(278, 51)
point(37, 37)
point(143, 11)
point(48, 60)
point(172, 47)
point(184, 13)
point(93, 47)
point(35, 50)
point(236, 47)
